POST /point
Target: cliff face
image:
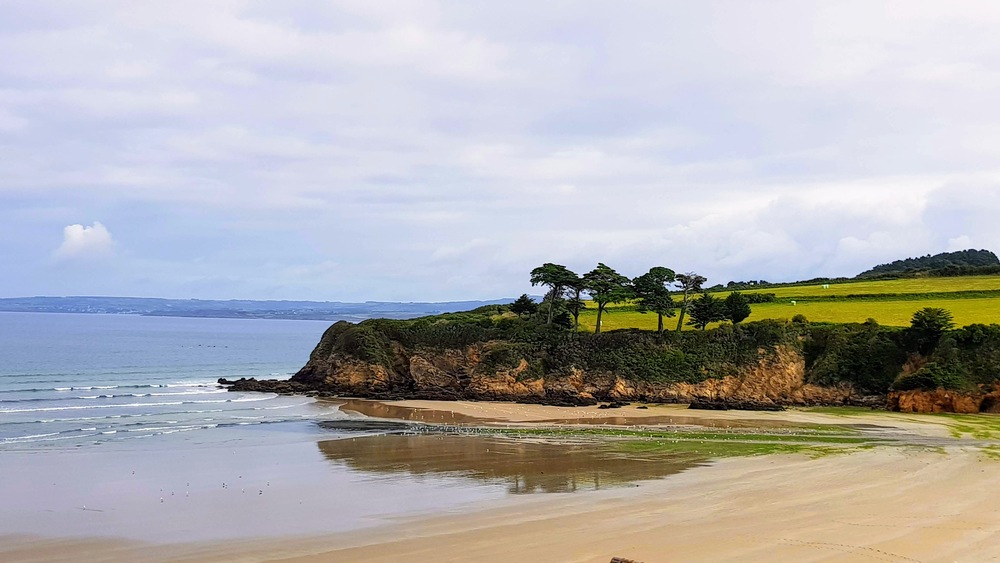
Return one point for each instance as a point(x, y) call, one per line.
point(943, 400)
point(776, 379)
point(491, 355)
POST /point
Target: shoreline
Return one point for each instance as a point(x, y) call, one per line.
point(911, 504)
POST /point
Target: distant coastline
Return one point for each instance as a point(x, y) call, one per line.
point(237, 309)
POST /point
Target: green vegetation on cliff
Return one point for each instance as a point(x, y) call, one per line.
point(871, 359)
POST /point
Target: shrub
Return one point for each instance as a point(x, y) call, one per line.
point(932, 376)
point(866, 356)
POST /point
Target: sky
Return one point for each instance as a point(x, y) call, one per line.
point(439, 150)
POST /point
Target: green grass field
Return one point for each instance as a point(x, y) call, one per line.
point(891, 303)
point(911, 286)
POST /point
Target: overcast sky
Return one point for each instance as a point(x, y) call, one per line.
point(426, 150)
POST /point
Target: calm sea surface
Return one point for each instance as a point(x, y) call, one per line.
point(114, 426)
point(82, 380)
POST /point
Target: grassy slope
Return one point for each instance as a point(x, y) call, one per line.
point(888, 312)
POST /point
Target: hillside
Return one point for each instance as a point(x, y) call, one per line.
point(946, 263)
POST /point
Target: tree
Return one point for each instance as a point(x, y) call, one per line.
point(706, 310)
point(604, 285)
point(524, 305)
point(574, 302)
point(556, 278)
point(654, 295)
point(927, 327)
point(737, 307)
point(687, 283)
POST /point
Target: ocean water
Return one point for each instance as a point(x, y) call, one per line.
point(83, 380)
point(114, 426)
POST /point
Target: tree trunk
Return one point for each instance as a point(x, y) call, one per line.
point(576, 310)
point(684, 308)
point(552, 305)
point(600, 310)
point(659, 323)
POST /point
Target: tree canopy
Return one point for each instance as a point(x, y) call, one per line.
point(524, 305)
point(653, 293)
point(605, 285)
point(687, 283)
point(737, 307)
point(706, 310)
point(556, 277)
point(927, 327)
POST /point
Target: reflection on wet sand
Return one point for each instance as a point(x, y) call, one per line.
point(396, 412)
point(525, 466)
point(668, 421)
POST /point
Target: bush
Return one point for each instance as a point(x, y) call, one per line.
point(867, 356)
point(933, 376)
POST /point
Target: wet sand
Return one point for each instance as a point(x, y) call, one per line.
point(652, 415)
point(884, 504)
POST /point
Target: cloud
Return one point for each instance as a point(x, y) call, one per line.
point(85, 243)
point(440, 149)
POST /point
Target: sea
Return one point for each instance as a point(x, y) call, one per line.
point(86, 380)
point(114, 426)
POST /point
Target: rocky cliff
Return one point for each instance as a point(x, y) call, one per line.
point(775, 376)
point(483, 355)
point(944, 400)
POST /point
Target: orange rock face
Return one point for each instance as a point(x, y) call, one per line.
point(777, 379)
point(938, 400)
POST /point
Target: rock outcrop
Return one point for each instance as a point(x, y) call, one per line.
point(447, 374)
point(944, 400)
point(484, 355)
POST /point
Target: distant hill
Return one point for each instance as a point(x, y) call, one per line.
point(963, 262)
point(237, 309)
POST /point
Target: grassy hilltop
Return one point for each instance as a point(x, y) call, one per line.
point(971, 299)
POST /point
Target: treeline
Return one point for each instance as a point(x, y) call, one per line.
point(652, 292)
point(944, 265)
point(963, 262)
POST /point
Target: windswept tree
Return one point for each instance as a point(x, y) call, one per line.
point(575, 302)
point(604, 285)
point(556, 278)
point(524, 305)
point(653, 293)
point(737, 307)
point(706, 310)
point(688, 283)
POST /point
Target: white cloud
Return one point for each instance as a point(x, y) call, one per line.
point(366, 148)
point(85, 243)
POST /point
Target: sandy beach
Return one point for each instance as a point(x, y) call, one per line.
point(892, 503)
